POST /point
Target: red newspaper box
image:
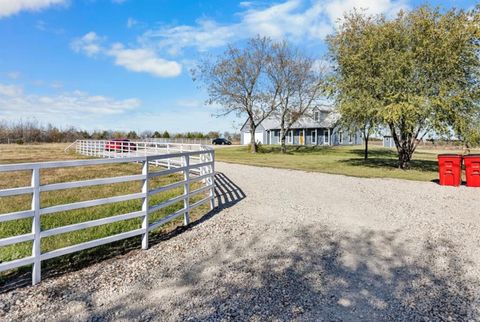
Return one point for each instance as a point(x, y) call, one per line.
point(450, 169)
point(472, 169)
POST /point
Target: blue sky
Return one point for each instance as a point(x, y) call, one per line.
point(124, 64)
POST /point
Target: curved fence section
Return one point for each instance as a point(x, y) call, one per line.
point(192, 168)
point(123, 149)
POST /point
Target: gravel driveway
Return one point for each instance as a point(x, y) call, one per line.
point(289, 245)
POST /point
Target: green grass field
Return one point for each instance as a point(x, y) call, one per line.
point(49, 152)
point(346, 160)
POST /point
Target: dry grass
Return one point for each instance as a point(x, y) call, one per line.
point(51, 152)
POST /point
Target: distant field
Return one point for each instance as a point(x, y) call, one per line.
point(50, 152)
point(346, 160)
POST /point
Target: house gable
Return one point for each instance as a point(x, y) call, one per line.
point(246, 128)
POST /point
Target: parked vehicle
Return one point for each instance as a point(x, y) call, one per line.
point(221, 141)
point(120, 145)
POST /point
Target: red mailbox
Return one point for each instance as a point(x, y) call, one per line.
point(472, 169)
point(450, 169)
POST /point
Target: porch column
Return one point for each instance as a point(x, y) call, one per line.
point(304, 138)
point(329, 142)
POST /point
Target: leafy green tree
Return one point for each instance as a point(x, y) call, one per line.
point(157, 135)
point(416, 73)
point(356, 75)
point(166, 135)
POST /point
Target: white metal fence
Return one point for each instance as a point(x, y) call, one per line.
point(179, 140)
point(124, 149)
point(196, 166)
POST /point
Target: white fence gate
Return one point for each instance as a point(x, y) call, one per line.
point(196, 166)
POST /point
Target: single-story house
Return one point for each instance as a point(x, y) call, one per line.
point(319, 128)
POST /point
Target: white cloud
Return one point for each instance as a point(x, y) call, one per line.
point(188, 102)
point(131, 22)
point(10, 90)
point(336, 9)
point(196, 104)
point(144, 60)
point(14, 75)
point(56, 85)
point(43, 26)
point(205, 35)
point(296, 20)
point(10, 7)
point(89, 44)
point(245, 4)
point(64, 107)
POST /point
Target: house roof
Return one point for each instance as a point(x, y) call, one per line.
point(305, 122)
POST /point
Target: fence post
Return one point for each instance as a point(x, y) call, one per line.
point(186, 189)
point(212, 180)
point(145, 204)
point(37, 268)
point(168, 152)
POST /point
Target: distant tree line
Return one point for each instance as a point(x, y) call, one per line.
point(34, 132)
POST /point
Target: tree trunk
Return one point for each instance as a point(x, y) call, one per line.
point(283, 147)
point(366, 137)
point(404, 157)
point(253, 144)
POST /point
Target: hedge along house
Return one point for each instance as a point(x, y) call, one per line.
point(319, 128)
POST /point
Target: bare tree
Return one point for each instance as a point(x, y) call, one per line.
point(299, 84)
point(238, 82)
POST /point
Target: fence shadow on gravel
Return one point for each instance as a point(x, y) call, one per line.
point(227, 194)
point(314, 274)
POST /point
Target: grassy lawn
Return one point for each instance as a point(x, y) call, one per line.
point(49, 152)
point(346, 160)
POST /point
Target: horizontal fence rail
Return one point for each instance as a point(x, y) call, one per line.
point(124, 149)
point(196, 166)
point(179, 140)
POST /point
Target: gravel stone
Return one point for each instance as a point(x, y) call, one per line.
point(288, 245)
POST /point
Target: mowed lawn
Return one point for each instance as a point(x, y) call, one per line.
point(51, 152)
point(346, 160)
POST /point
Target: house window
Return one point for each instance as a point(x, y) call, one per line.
point(350, 139)
point(325, 136)
point(316, 116)
point(314, 137)
point(290, 137)
point(340, 137)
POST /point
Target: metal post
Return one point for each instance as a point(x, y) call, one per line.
point(186, 189)
point(168, 152)
point(145, 204)
point(37, 264)
point(212, 180)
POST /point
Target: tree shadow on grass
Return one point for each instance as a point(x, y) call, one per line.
point(227, 194)
point(377, 153)
point(388, 164)
point(311, 274)
point(388, 159)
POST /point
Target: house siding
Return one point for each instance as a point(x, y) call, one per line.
point(326, 134)
point(245, 129)
point(273, 137)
